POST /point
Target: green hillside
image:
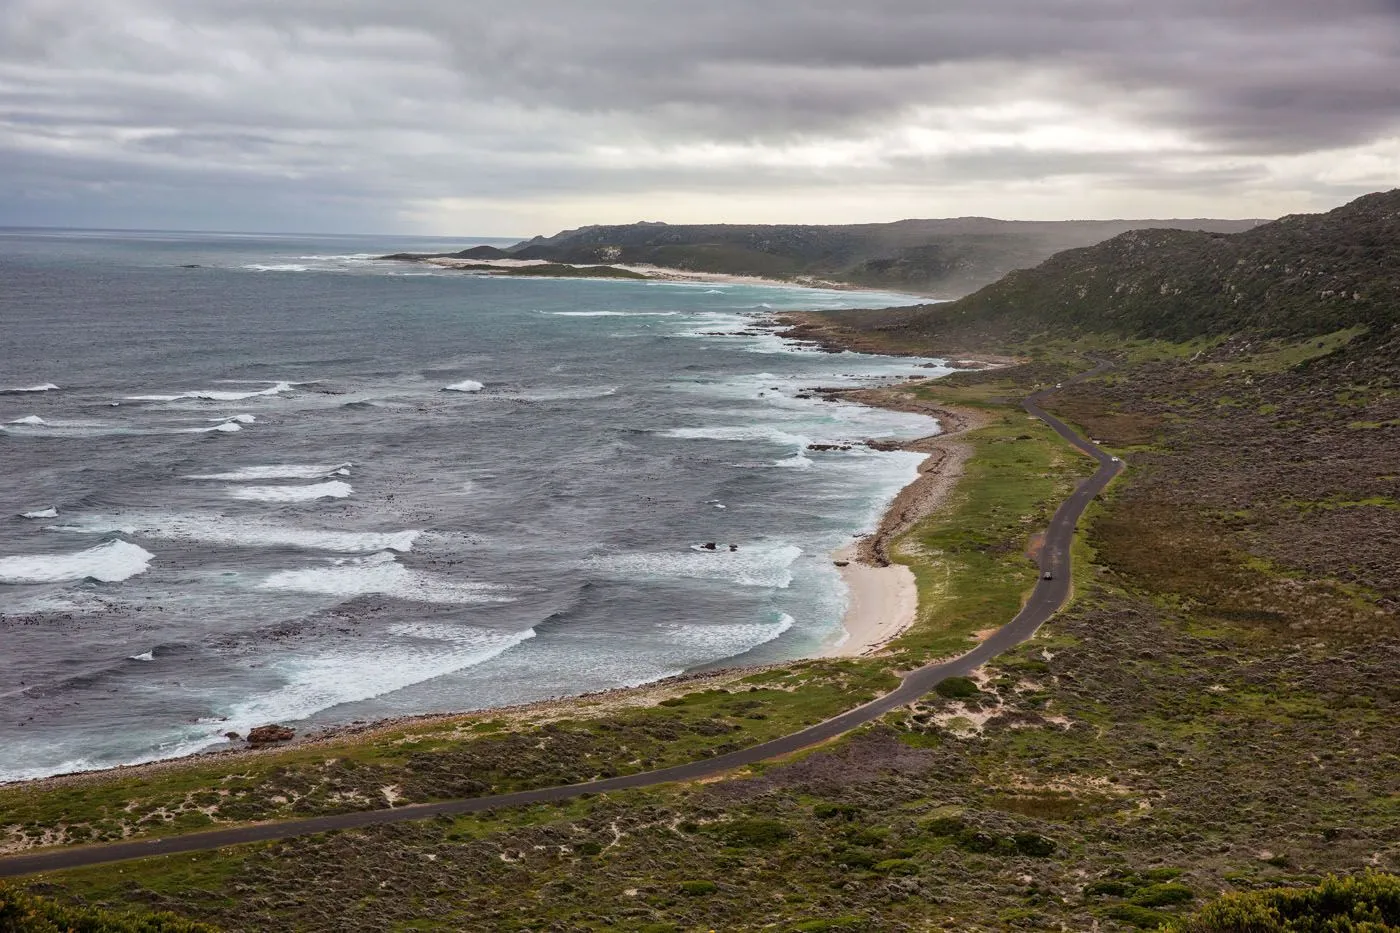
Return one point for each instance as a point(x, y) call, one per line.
point(1303, 275)
point(947, 257)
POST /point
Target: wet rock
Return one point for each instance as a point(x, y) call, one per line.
point(232, 736)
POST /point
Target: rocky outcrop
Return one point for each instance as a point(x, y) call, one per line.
point(270, 734)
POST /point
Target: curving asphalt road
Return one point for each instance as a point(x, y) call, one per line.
point(1046, 599)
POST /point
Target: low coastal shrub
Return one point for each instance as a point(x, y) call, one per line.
point(1369, 902)
point(21, 912)
point(957, 688)
point(698, 888)
point(1034, 845)
point(752, 833)
point(1141, 917)
point(1161, 895)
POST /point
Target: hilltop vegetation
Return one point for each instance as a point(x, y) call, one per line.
point(1303, 275)
point(940, 257)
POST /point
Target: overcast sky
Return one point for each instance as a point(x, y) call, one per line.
point(467, 117)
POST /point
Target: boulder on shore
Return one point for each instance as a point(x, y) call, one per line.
point(265, 735)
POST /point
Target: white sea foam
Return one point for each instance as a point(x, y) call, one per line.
point(798, 461)
point(466, 385)
point(227, 427)
point(382, 574)
point(143, 656)
point(412, 654)
point(41, 513)
point(724, 641)
point(240, 419)
point(111, 562)
point(215, 395)
point(46, 387)
point(751, 565)
point(277, 471)
point(334, 489)
point(32, 420)
point(239, 532)
point(746, 432)
point(277, 267)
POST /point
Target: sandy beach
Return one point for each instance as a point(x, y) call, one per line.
point(659, 273)
point(883, 599)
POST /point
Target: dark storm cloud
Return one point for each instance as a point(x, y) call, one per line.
point(368, 106)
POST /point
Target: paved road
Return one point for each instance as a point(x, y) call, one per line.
point(1046, 599)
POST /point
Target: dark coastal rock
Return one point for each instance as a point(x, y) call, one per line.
point(266, 735)
point(733, 547)
point(232, 736)
point(828, 446)
point(709, 545)
point(842, 563)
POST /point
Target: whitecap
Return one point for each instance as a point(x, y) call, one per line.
point(381, 574)
point(215, 395)
point(33, 420)
point(726, 641)
point(277, 471)
point(798, 461)
point(240, 419)
point(466, 385)
point(277, 267)
point(747, 432)
point(143, 656)
point(412, 654)
point(240, 532)
point(334, 489)
point(227, 427)
point(767, 565)
point(41, 513)
point(111, 562)
point(46, 387)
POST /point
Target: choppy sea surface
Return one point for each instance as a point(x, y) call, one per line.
point(256, 479)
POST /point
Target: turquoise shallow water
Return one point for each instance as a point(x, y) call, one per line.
point(293, 484)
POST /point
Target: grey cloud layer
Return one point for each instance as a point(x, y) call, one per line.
point(368, 105)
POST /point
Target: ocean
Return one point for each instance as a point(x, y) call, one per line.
point(255, 479)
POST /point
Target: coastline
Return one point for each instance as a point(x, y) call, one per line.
point(883, 599)
point(668, 274)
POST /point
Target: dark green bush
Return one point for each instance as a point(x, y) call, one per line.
point(1140, 917)
point(751, 833)
point(957, 688)
point(944, 826)
point(831, 811)
point(698, 888)
point(1160, 895)
point(1368, 903)
point(1033, 844)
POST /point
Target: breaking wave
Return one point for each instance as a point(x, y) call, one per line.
point(111, 562)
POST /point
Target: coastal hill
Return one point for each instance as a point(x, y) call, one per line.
point(946, 258)
point(1301, 275)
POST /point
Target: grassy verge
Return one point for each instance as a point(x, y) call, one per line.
point(973, 557)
